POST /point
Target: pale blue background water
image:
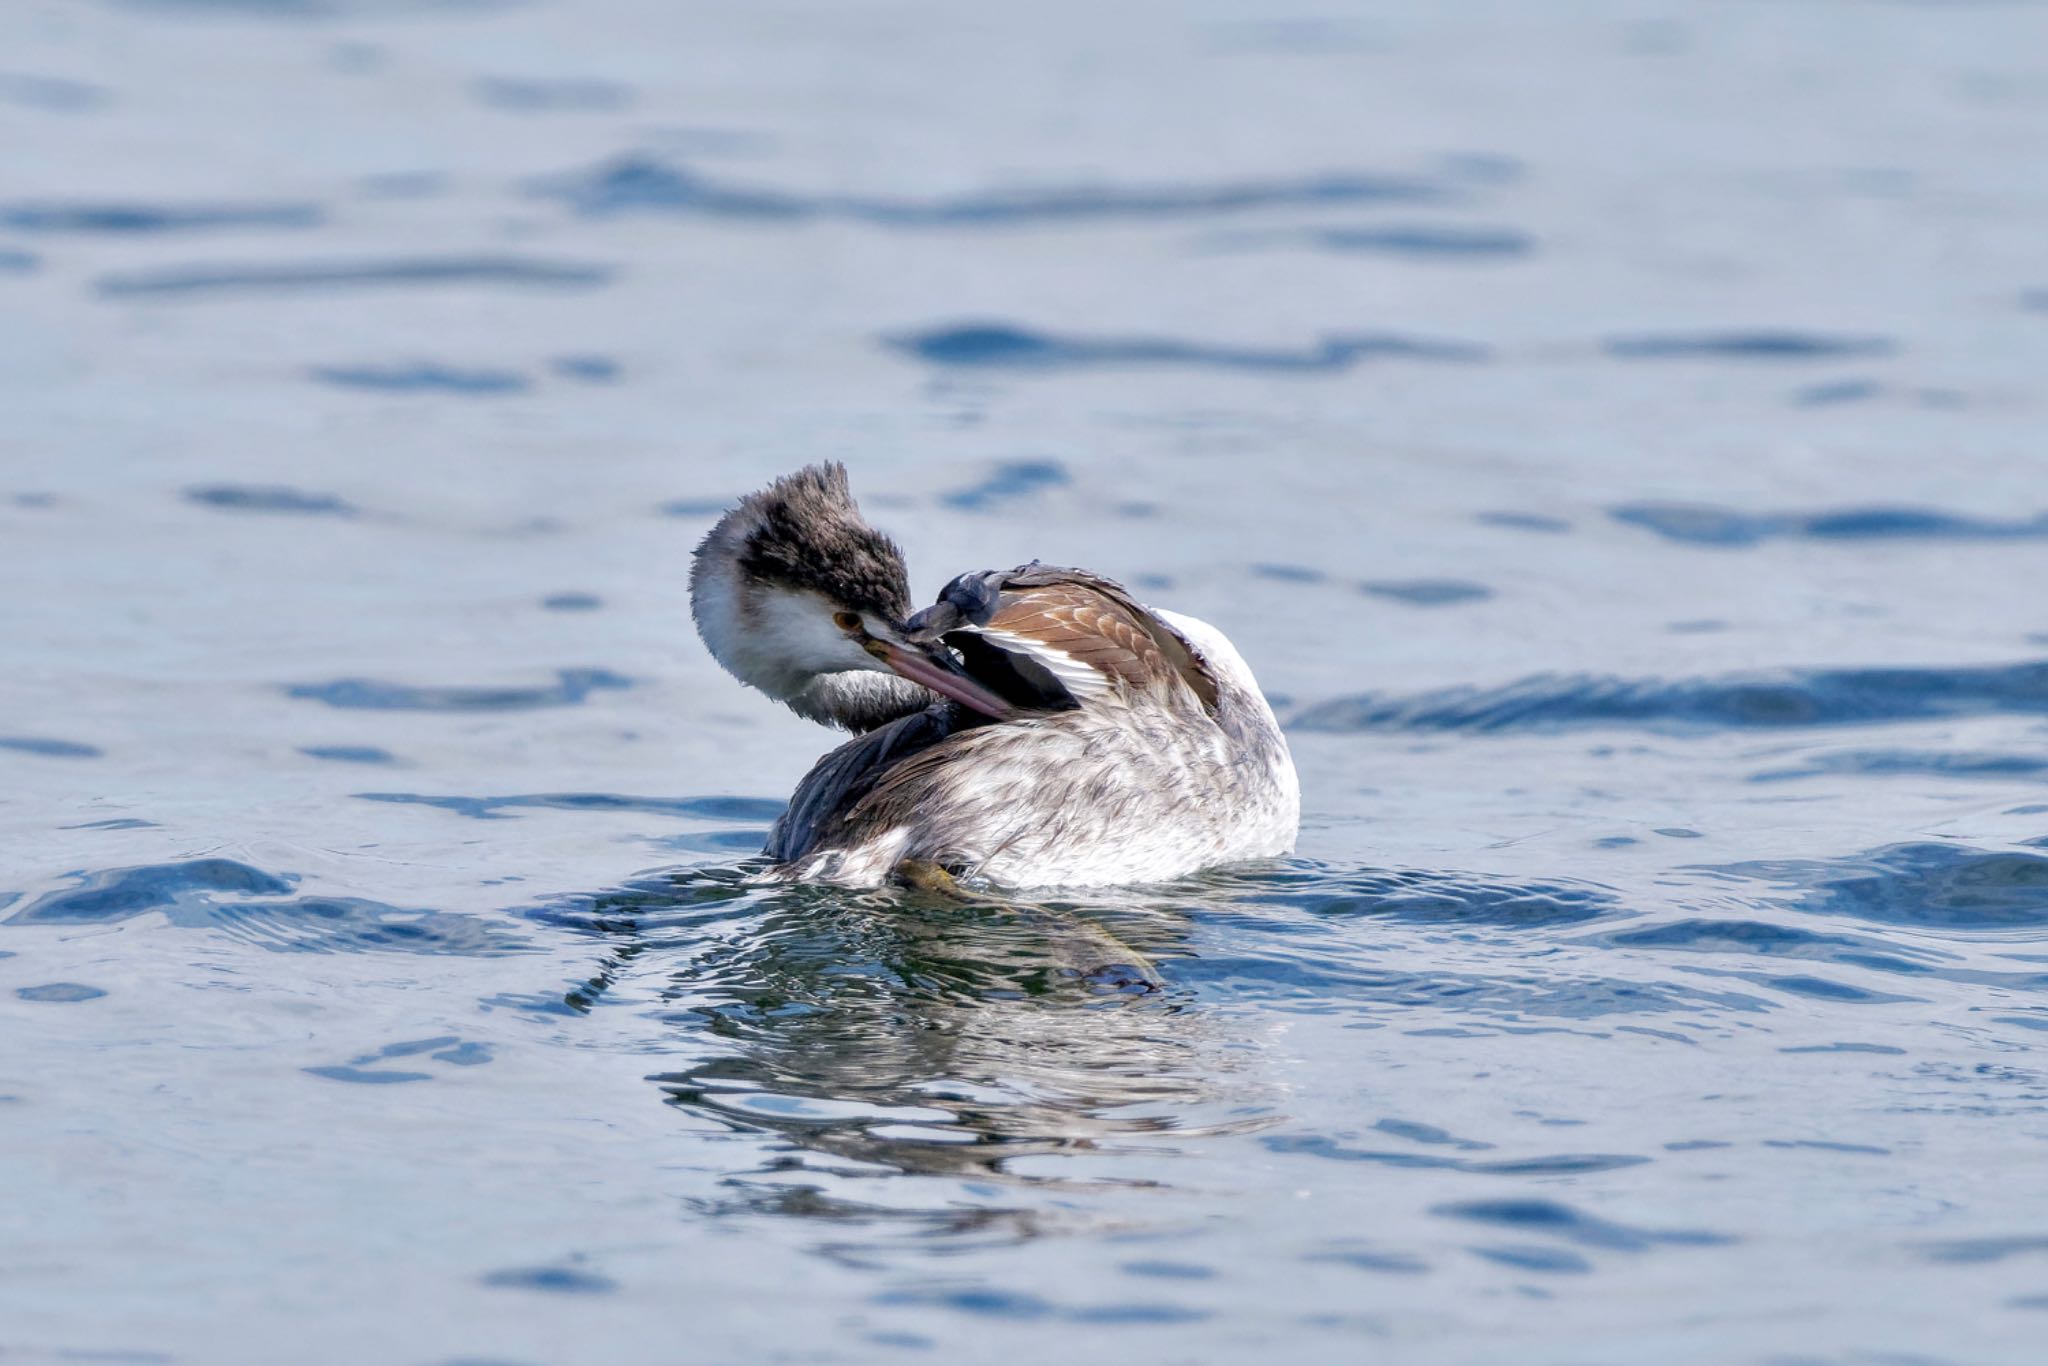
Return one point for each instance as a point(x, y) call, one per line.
point(1615, 430)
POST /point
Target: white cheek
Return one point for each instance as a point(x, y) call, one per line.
point(799, 628)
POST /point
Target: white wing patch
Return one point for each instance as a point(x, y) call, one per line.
point(1086, 682)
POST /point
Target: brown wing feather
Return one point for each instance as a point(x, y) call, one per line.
point(1096, 621)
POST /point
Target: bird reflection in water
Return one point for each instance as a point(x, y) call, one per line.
point(922, 1032)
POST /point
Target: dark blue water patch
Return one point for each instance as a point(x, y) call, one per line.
point(1548, 1261)
point(1825, 989)
point(258, 908)
point(49, 500)
point(1288, 573)
point(1430, 1134)
point(334, 276)
point(1548, 1218)
point(49, 749)
point(981, 1301)
point(1879, 763)
point(554, 95)
point(17, 262)
point(1004, 346)
point(57, 94)
point(1427, 592)
point(570, 688)
point(1702, 524)
point(1923, 885)
point(587, 369)
point(1009, 481)
point(1524, 521)
point(59, 992)
point(410, 1048)
point(1735, 935)
point(1826, 1146)
point(553, 1280)
point(572, 602)
point(1367, 1259)
point(368, 1076)
point(417, 377)
point(1015, 1306)
point(1560, 1164)
point(1421, 241)
point(1980, 1251)
point(2036, 299)
point(494, 808)
point(270, 498)
point(121, 893)
point(1756, 344)
point(1787, 698)
point(350, 754)
point(118, 823)
point(131, 217)
point(1836, 392)
point(643, 183)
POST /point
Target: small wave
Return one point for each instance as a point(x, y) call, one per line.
point(259, 908)
point(1880, 763)
point(1008, 347)
point(17, 262)
point(1007, 482)
point(571, 687)
point(1789, 698)
point(58, 93)
point(349, 754)
point(1428, 592)
point(587, 369)
point(133, 217)
point(1922, 885)
point(422, 377)
point(1703, 524)
point(1405, 894)
point(648, 184)
point(1758, 344)
point(269, 498)
point(328, 276)
point(1423, 241)
point(49, 749)
point(1551, 1219)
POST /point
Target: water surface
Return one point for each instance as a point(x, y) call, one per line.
point(1614, 436)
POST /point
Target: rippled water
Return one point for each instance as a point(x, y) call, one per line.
point(1614, 432)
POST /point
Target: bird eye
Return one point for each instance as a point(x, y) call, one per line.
point(846, 621)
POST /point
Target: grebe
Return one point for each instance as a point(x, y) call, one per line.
point(1035, 727)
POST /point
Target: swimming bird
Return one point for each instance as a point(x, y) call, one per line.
point(1035, 727)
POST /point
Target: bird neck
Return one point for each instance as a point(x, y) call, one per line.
point(857, 700)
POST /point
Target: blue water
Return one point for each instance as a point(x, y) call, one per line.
point(1614, 432)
